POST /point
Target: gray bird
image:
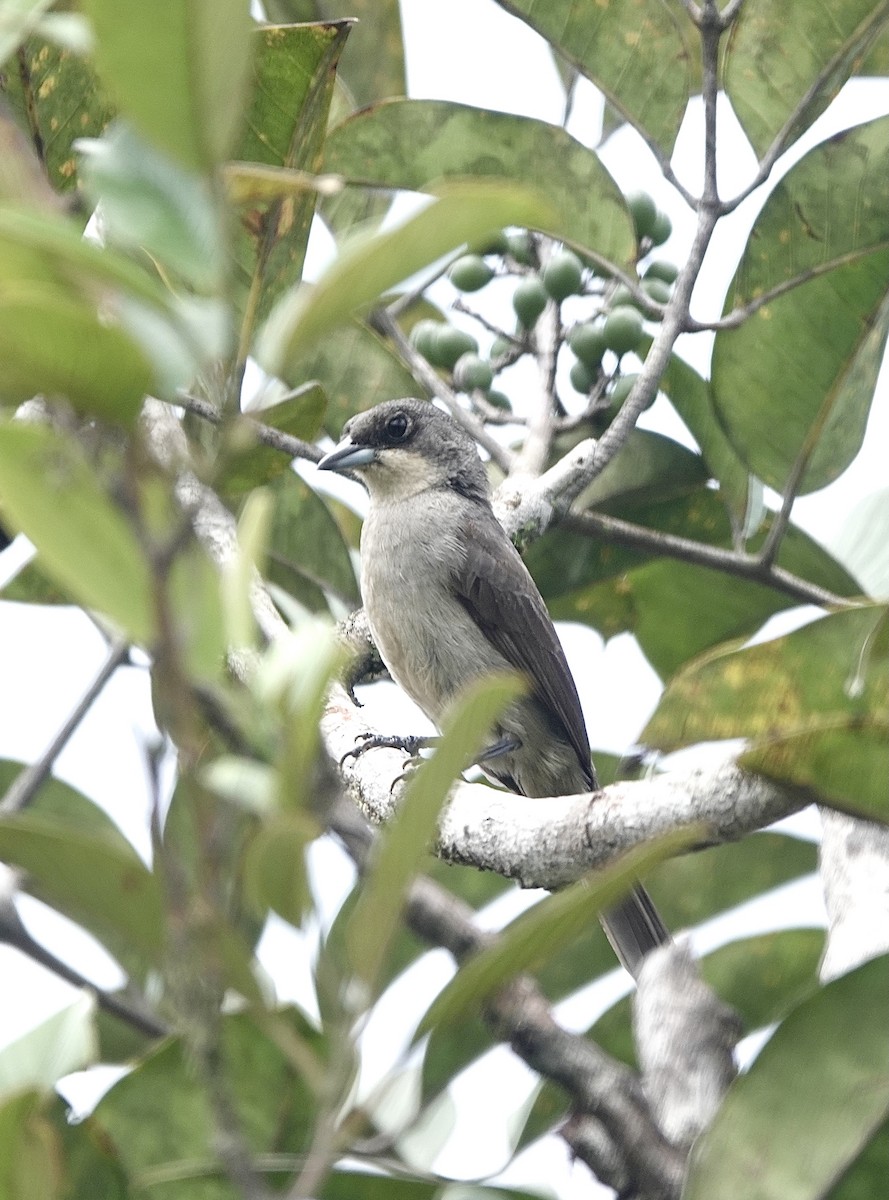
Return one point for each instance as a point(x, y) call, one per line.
point(448, 600)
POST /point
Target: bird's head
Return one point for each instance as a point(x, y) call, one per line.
point(403, 447)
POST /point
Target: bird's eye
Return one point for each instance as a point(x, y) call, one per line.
point(397, 427)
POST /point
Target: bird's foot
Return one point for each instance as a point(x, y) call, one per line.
point(411, 745)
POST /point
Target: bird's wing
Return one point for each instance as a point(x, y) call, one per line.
point(496, 589)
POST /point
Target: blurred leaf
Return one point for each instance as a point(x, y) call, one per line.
point(452, 1048)
point(63, 1043)
point(779, 84)
point(866, 1174)
point(19, 19)
point(59, 802)
point(355, 1185)
point(373, 62)
point(48, 490)
point(306, 547)
point(90, 878)
point(407, 837)
point(275, 866)
point(90, 1167)
point(824, 339)
point(254, 464)
point(151, 202)
point(415, 144)
point(644, 55)
point(809, 1103)
point(538, 934)
point(57, 99)
point(356, 368)
point(22, 174)
point(29, 1151)
point(50, 343)
point(372, 265)
point(181, 80)
point(294, 73)
point(159, 1122)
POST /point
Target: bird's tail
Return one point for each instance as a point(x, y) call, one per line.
point(634, 928)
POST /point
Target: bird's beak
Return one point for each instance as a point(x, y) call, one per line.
point(347, 454)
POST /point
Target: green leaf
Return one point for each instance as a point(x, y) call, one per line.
point(825, 228)
point(181, 80)
point(816, 695)
point(90, 878)
point(784, 65)
point(50, 343)
point(294, 73)
point(415, 144)
point(307, 552)
point(159, 1122)
point(48, 490)
point(372, 265)
point(810, 1102)
point(29, 1151)
point(865, 1176)
point(374, 923)
point(254, 463)
point(90, 1167)
point(19, 18)
point(56, 96)
point(61, 803)
point(648, 467)
point(644, 55)
point(538, 934)
point(275, 866)
point(64, 1043)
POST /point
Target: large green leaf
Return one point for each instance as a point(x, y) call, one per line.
point(181, 79)
point(866, 1174)
point(785, 63)
point(815, 704)
point(63, 1043)
point(253, 463)
point(57, 99)
point(374, 264)
point(294, 72)
point(28, 1150)
point(675, 609)
point(816, 349)
point(643, 54)
point(809, 1103)
point(414, 144)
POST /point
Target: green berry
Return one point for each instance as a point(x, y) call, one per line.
point(657, 289)
point(622, 389)
point(422, 337)
point(643, 211)
point(661, 269)
point(470, 273)
point(471, 372)
point(521, 248)
point(562, 275)
point(582, 378)
point(499, 400)
point(622, 330)
point(494, 243)
point(622, 296)
point(449, 344)
point(529, 300)
point(588, 343)
point(661, 229)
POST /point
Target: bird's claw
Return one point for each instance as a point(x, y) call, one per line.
point(380, 741)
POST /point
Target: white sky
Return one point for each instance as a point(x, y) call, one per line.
point(49, 658)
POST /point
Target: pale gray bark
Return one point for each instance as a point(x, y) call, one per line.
point(855, 878)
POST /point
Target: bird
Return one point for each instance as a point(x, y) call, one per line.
point(449, 600)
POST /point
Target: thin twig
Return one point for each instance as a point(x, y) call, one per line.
point(28, 782)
